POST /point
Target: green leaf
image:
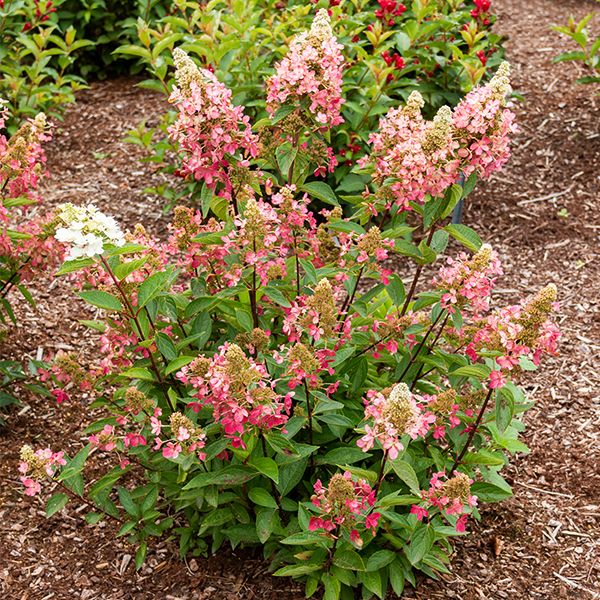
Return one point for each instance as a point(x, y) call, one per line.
point(484, 457)
point(229, 476)
point(321, 191)
point(407, 474)
point(140, 555)
point(380, 559)
point(373, 582)
point(125, 269)
point(396, 572)
point(290, 475)
point(488, 492)
point(101, 299)
point(480, 372)
point(311, 586)
point(294, 570)
point(343, 456)
point(285, 155)
point(333, 587)
point(94, 517)
point(276, 296)
point(526, 364)
point(153, 286)
point(266, 466)
point(56, 503)
point(395, 290)
point(261, 497)
point(127, 502)
point(75, 465)
point(178, 363)
point(165, 346)
point(348, 559)
point(302, 538)
point(126, 528)
point(265, 522)
point(420, 544)
point(465, 235)
point(138, 373)
point(505, 409)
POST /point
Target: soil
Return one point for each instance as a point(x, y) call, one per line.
point(541, 213)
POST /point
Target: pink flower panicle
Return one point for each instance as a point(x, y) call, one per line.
point(238, 390)
point(67, 372)
point(105, 439)
point(393, 415)
point(452, 496)
point(209, 128)
point(22, 158)
point(344, 504)
point(414, 157)
point(38, 466)
point(469, 281)
point(445, 405)
point(520, 331)
point(312, 70)
point(186, 437)
point(482, 126)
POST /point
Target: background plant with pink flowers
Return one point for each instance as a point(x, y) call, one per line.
point(27, 246)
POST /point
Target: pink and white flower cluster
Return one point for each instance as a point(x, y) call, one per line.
point(483, 125)
point(239, 391)
point(209, 128)
point(393, 415)
point(469, 281)
point(415, 158)
point(519, 331)
point(451, 495)
point(37, 466)
point(22, 158)
point(312, 71)
point(344, 504)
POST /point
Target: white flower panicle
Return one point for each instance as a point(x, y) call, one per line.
point(500, 82)
point(86, 229)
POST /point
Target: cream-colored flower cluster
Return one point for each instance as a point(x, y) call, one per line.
point(86, 229)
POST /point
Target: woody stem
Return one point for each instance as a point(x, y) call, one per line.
point(132, 314)
point(414, 357)
point(413, 285)
point(381, 472)
point(472, 432)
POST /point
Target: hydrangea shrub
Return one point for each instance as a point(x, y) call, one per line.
point(27, 245)
point(326, 387)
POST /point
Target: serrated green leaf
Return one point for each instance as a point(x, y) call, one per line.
point(266, 466)
point(56, 503)
point(321, 191)
point(101, 299)
point(465, 235)
point(406, 474)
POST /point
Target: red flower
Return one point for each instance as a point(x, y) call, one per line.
point(60, 395)
point(483, 5)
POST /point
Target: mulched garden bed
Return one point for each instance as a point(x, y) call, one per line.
point(540, 213)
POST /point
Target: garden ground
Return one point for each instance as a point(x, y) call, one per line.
point(540, 213)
